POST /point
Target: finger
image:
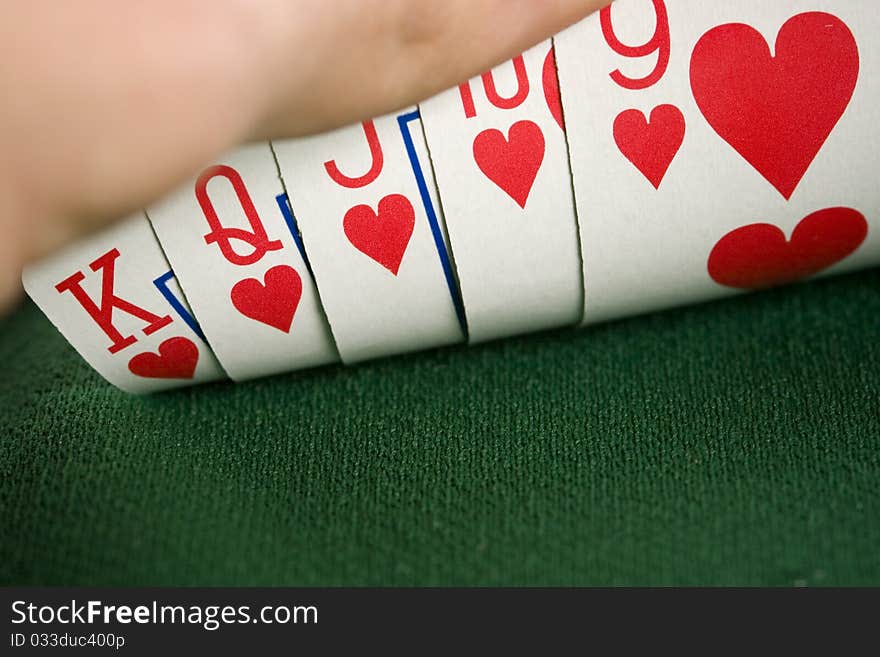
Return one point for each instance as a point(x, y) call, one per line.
point(363, 59)
point(112, 104)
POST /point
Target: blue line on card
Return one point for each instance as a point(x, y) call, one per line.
point(161, 284)
point(404, 121)
point(284, 205)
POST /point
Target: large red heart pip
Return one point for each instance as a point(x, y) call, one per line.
point(512, 163)
point(274, 303)
point(758, 255)
point(177, 359)
point(382, 235)
point(650, 145)
point(776, 111)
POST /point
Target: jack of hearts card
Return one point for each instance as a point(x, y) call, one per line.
point(364, 199)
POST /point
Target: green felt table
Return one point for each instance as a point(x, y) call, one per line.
point(736, 442)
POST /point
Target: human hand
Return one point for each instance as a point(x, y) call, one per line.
point(108, 105)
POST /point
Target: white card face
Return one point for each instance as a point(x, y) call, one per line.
point(720, 147)
point(114, 297)
point(365, 203)
point(232, 242)
point(501, 164)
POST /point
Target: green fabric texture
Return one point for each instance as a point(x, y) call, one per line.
point(732, 443)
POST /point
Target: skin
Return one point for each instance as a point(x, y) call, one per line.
point(108, 105)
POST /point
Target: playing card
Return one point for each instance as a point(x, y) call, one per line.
point(114, 298)
point(720, 147)
point(234, 247)
point(365, 203)
point(498, 147)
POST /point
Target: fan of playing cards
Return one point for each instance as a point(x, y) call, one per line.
point(655, 154)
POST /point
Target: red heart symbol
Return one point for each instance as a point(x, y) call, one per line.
point(177, 359)
point(758, 255)
point(511, 163)
point(776, 112)
point(382, 235)
point(650, 145)
point(274, 303)
point(550, 81)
